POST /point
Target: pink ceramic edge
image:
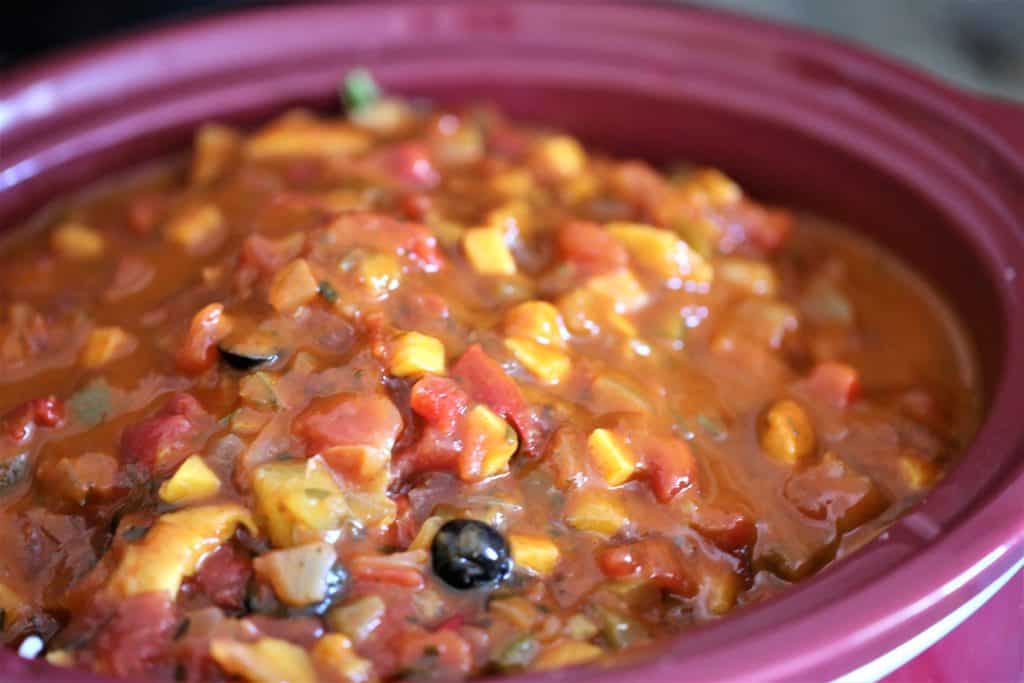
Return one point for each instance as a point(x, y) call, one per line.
point(999, 512)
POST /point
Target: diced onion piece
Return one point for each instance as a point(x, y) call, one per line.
point(488, 431)
point(565, 653)
point(300, 575)
point(414, 354)
point(333, 654)
point(193, 481)
point(77, 241)
point(358, 619)
point(174, 546)
point(598, 512)
point(537, 321)
point(835, 382)
point(106, 344)
point(612, 457)
point(199, 230)
point(268, 660)
point(293, 286)
point(516, 610)
point(537, 554)
point(487, 252)
point(298, 502)
point(661, 252)
point(549, 365)
point(786, 433)
point(578, 627)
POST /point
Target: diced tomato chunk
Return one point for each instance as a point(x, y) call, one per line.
point(487, 383)
point(654, 559)
point(198, 351)
point(411, 163)
point(349, 420)
point(439, 401)
point(767, 229)
point(20, 423)
point(444, 649)
point(137, 636)
point(834, 382)
point(224, 575)
point(730, 531)
point(590, 247)
point(379, 231)
point(166, 433)
point(670, 466)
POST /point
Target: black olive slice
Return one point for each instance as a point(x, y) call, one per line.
point(467, 553)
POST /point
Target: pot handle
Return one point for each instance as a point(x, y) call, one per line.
point(1006, 118)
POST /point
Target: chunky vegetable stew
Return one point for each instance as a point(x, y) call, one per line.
point(420, 393)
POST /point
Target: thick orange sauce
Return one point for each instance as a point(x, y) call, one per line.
point(667, 398)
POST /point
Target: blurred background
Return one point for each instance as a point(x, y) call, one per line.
point(975, 43)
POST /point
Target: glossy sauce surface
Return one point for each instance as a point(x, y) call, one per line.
point(243, 395)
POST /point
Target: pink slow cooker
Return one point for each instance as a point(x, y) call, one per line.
point(935, 173)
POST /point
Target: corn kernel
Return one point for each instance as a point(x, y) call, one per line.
point(622, 289)
point(293, 286)
point(566, 653)
point(106, 344)
point(560, 156)
point(487, 252)
point(754, 277)
point(786, 432)
point(718, 187)
point(62, 658)
point(215, 148)
point(414, 354)
point(77, 241)
point(193, 481)
point(200, 230)
point(267, 660)
point(509, 216)
point(334, 653)
point(536, 554)
point(495, 436)
point(613, 458)
point(598, 512)
point(916, 471)
point(661, 252)
point(550, 366)
point(380, 273)
point(537, 321)
point(512, 183)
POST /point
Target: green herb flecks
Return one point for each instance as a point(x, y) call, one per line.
point(90, 405)
point(327, 291)
point(358, 90)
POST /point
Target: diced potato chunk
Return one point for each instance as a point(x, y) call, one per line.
point(106, 344)
point(77, 241)
point(612, 457)
point(334, 655)
point(358, 619)
point(661, 252)
point(622, 289)
point(489, 431)
point(299, 502)
point(62, 658)
point(487, 251)
point(414, 354)
point(293, 286)
point(199, 230)
point(753, 277)
point(215, 148)
point(268, 660)
point(599, 512)
point(380, 273)
point(538, 321)
point(11, 603)
point(786, 432)
point(193, 481)
point(549, 365)
point(516, 610)
point(537, 554)
point(566, 653)
point(918, 472)
point(174, 546)
point(560, 156)
point(300, 575)
point(589, 313)
point(307, 139)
